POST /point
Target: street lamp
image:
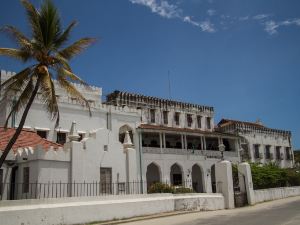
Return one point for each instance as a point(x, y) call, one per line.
point(222, 149)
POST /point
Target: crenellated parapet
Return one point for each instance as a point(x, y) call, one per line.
point(119, 98)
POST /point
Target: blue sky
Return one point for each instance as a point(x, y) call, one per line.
point(242, 57)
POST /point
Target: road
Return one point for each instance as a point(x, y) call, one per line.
point(279, 212)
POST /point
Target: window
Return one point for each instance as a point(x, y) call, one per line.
point(176, 118)
point(165, 115)
point(256, 151)
point(278, 152)
point(81, 136)
point(25, 179)
point(268, 153)
point(189, 120)
point(42, 133)
point(208, 125)
point(288, 153)
point(152, 115)
point(199, 121)
point(61, 138)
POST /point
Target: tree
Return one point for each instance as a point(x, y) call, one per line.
point(46, 48)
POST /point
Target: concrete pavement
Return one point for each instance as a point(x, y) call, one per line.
point(279, 212)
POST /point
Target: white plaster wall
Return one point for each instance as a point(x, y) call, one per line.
point(86, 210)
point(275, 193)
point(273, 141)
point(88, 157)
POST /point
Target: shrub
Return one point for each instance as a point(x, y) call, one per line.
point(160, 188)
point(293, 177)
point(166, 188)
point(182, 190)
point(268, 176)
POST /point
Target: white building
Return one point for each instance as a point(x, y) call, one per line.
point(261, 144)
point(177, 140)
point(173, 142)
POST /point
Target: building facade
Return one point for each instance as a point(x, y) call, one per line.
point(177, 140)
point(261, 144)
point(128, 138)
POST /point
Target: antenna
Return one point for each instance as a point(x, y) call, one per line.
point(169, 81)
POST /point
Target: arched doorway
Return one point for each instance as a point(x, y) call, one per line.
point(152, 174)
point(197, 179)
point(213, 179)
point(176, 175)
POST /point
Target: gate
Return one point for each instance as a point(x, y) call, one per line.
point(240, 194)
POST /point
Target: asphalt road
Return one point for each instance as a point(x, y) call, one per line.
point(280, 212)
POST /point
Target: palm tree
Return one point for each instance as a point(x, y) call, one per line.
point(46, 48)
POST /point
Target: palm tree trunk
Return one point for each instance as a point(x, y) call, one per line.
point(21, 124)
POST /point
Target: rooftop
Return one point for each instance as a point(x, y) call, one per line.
point(26, 139)
point(225, 123)
point(120, 98)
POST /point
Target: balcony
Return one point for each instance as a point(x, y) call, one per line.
point(178, 151)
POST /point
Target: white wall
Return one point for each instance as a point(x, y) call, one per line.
point(273, 140)
point(86, 210)
point(275, 193)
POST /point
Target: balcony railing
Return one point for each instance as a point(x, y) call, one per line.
point(177, 151)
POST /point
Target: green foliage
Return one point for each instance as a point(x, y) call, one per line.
point(293, 177)
point(297, 156)
point(166, 188)
point(182, 190)
point(161, 188)
point(268, 176)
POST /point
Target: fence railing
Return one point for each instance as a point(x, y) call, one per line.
point(35, 190)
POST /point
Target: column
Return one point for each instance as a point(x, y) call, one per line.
point(245, 181)
point(160, 142)
point(224, 182)
point(164, 140)
point(182, 142)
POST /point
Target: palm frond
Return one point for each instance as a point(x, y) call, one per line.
point(69, 75)
point(19, 54)
point(33, 18)
point(17, 36)
point(22, 100)
point(19, 76)
point(72, 91)
point(64, 37)
point(50, 23)
point(48, 96)
point(61, 61)
point(76, 48)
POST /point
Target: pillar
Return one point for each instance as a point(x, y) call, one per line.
point(224, 182)
point(245, 181)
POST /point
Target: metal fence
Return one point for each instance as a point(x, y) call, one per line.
point(15, 191)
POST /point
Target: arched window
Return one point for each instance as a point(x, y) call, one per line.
point(122, 132)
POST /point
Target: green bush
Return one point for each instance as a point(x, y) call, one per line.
point(160, 188)
point(182, 190)
point(268, 176)
point(293, 177)
point(166, 188)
